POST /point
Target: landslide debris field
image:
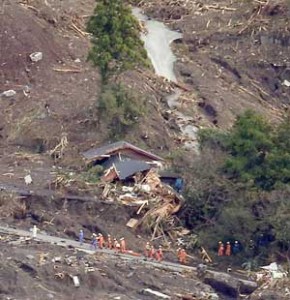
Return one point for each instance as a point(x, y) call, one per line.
point(233, 55)
point(33, 270)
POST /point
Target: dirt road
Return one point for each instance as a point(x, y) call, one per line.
point(62, 242)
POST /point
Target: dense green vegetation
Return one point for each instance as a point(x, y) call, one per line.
point(115, 38)
point(258, 154)
point(116, 47)
point(120, 109)
point(240, 187)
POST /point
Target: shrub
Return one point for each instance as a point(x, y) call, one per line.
point(120, 108)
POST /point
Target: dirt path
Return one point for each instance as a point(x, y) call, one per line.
point(62, 242)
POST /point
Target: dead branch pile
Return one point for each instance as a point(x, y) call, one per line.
point(71, 181)
point(58, 151)
point(189, 5)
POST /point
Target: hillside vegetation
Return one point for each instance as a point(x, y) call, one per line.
point(239, 188)
point(94, 85)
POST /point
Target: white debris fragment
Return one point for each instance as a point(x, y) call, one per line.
point(286, 83)
point(155, 293)
point(36, 56)
point(9, 93)
point(34, 231)
point(56, 259)
point(127, 188)
point(26, 90)
point(76, 281)
point(28, 179)
point(271, 267)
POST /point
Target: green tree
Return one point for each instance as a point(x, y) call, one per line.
point(252, 201)
point(115, 38)
point(249, 143)
point(279, 158)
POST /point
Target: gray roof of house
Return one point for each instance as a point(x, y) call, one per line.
point(98, 153)
point(168, 174)
point(128, 168)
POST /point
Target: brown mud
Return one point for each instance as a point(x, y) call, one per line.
point(234, 55)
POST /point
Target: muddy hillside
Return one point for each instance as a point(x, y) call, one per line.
point(63, 171)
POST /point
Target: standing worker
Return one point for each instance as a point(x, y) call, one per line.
point(147, 249)
point(159, 254)
point(81, 237)
point(109, 242)
point(122, 245)
point(94, 241)
point(114, 244)
point(228, 251)
point(182, 256)
point(152, 252)
point(117, 246)
point(101, 241)
point(221, 249)
point(236, 247)
point(178, 186)
point(251, 248)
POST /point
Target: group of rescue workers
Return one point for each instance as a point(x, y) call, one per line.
point(119, 246)
point(228, 249)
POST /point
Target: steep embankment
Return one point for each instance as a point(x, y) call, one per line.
point(228, 61)
point(56, 97)
point(228, 56)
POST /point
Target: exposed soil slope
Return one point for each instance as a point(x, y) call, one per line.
point(234, 55)
point(56, 96)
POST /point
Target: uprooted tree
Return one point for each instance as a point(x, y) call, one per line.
point(115, 37)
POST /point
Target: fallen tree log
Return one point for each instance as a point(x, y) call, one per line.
point(228, 284)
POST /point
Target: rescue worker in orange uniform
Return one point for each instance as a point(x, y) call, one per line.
point(182, 256)
point(101, 241)
point(152, 252)
point(147, 249)
point(122, 245)
point(117, 246)
point(109, 242)
point(221, 249)
point(228, 251)
point(159, 254)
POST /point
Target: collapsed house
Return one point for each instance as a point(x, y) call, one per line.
point(122, 160)
point(142, 185)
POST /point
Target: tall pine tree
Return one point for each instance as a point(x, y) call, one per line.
point(115, 37)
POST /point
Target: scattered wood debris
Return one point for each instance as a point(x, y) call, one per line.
point(70, 69)
point(157, 202)
point(58, 151)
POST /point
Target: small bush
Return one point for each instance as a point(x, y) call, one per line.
point(94, 173)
